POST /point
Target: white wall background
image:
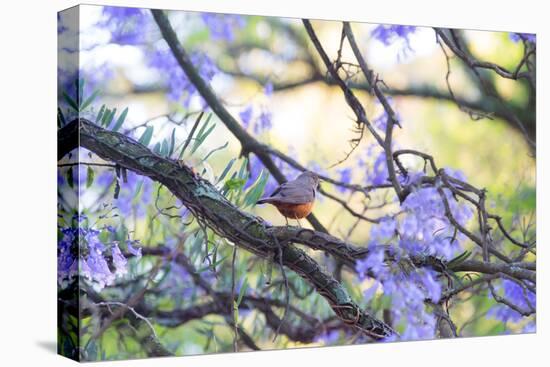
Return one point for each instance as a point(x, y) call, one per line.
point(28, 181)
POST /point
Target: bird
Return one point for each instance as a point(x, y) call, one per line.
point(294, 199)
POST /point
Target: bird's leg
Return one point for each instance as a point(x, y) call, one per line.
point(299, 224)
point(286, 221)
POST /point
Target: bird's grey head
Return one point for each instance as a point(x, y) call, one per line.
point(311, 178)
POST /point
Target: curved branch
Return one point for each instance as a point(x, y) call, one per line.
point(127, 153)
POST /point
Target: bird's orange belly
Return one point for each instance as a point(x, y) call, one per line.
point(294, 211)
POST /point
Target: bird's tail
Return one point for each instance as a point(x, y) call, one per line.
point(264, 201)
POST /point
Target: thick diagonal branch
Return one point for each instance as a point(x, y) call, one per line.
point(210, 207)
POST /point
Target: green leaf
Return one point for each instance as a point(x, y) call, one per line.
point(164, 148)
point(147, 135)
point(70, 179)
point(234, 184)
point(70, 101)
point(242, 170)
point(80, 88)
point(89, 100)
point(257, 190)
point(204, 125)
point(459, 259)
point(244, 287)
point(105, 116)
point(89, 177)
point(120, 120)
point(100, 114)
point(226, 169)
point(212, 266)
point(110, 118)
point(201, 136)
point(172, 143)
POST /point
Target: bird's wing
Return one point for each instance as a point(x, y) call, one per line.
point(293, 192)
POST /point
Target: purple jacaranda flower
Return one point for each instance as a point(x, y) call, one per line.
point(328, 338)
point(246, 116)
point(412, 178)
point(381, 121)
point(80, 217)
point(378, 175)
point(67, 265)
point(424, 228)
point(522, 298)
point(127, 25)
point(135, 194)
point(529, 37)
point(419, 328)
point(81, 248)
point(109, 229)
point(388, 33)
point(530, 327)
point(264, 122)
point(98, 266)
point(383, 230)
point(119, 260)
point(345, 177)
point(180, 89)
point(133, 250)
point(432, 287)
point(268, 89)
point(223, 26)
point(373, 262)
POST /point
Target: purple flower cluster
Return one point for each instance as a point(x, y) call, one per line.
point(135, 194)
point(246, 116)
point(529, 37)
point(408, 289)
point(344, 175)
point(425, 228)
point(180, 88)
point(377, 173)
point(422, 228)
point(264, 122)
point(381, 121)
point(223, 26)
point(260, 122)
point(522, 298)
point(389, 33)
point(80, 247)
point(127, 25)
point(328, 337)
